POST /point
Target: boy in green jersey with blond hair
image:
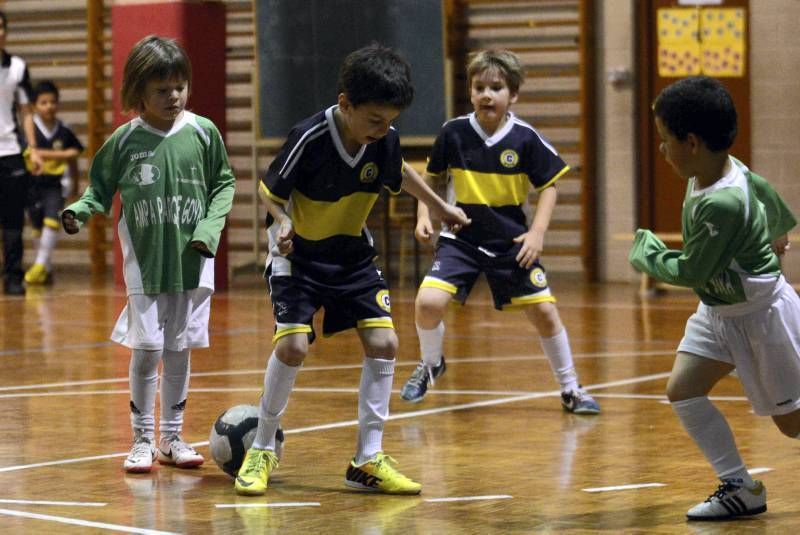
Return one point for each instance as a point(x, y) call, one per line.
point(734, 231)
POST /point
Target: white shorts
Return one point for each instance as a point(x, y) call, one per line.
point(763, 345)
point(165, 321)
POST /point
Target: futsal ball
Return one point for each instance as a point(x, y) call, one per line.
point(233, 434)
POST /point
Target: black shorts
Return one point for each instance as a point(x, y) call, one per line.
point(45, 201)
point(352, 297)
point(457, 264)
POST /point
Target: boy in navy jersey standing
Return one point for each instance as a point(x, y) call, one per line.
point(319, 191)
point(490, 159)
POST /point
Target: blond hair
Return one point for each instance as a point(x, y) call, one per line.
point(503, 61)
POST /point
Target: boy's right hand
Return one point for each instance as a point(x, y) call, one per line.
point(70, 223)
point(285, 235)
point(424, 230)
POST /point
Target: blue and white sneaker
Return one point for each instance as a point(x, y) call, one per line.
point(579, 402)
point(417, 385)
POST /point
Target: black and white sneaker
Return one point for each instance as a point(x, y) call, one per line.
point(731, 499)
point(416, 386)
point(579, 402)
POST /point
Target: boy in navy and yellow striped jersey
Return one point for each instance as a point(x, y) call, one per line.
point(319, 191)
point(490, 159)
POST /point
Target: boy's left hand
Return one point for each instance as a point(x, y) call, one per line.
point(36, 161)
point(780, 245)
point(201, 248)
point(454, 217)
point(532, 245)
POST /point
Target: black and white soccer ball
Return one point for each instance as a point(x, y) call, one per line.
point(233, 434)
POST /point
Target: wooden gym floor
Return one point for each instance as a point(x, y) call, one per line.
point(490, 443)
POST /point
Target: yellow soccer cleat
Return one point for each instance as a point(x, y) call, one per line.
point(254, 473)
point(37, 274)
point(378, 475)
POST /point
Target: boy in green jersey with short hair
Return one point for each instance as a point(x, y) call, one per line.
point(734, 230)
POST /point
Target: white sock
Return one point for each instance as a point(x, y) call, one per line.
point(278, 383)
point(430, 344)
point(559, 355)
point(710, 431)
point(143, 378)
point(46, 245)
point(373, 406)
point(174, 389)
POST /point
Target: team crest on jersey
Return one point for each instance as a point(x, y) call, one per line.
point(538, 278)
point(369, 172)
point(58, 144)
point(509, 158)
point(145, 174)
point(382, 298)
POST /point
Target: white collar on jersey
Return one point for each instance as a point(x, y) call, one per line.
point(337, 140)
point(48, 133)
point(498, 135)
point(186, 117)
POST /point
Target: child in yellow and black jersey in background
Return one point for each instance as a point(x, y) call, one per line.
point(490, 159)
point(59, 148)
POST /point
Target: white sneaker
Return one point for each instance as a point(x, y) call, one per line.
point(143, 453)
point(173, 450)
point(731, 500)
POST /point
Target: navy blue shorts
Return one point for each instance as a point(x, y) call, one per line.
point(45, 201)
point(457, 264)
point(352, 297)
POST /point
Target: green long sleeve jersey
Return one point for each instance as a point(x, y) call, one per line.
point(175, 187)
point(727, 231)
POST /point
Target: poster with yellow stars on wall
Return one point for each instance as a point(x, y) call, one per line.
point(695, 41)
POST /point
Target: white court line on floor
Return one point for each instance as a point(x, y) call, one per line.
point(358, 366)
point(261, 505)
point(624, 487)
point(761, 470)
point(350, 423)
point(84, 523)
point(661, 397)
point(43, 502)
point(469, 498)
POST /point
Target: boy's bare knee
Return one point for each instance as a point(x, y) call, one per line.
point(381, 343)
point(292, 350)
point(429, 311)
point(789, 424)
point(545, 318)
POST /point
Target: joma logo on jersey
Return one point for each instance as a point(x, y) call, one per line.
point(369, 172)
point(509, 158)
point(145, 174)
point(144, 154)
point(383, 301)
point(538, 277)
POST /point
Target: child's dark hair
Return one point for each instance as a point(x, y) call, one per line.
point(503, 61)
point(152, 58)
point(701, 106)
point(45, 87)
point(376, 74)
point(4, 19)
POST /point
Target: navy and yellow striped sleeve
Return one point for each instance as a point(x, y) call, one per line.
point(545, 166)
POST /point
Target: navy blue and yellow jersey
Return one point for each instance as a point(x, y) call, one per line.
point(327, 193)
point(489, 177)
point(58, 138)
